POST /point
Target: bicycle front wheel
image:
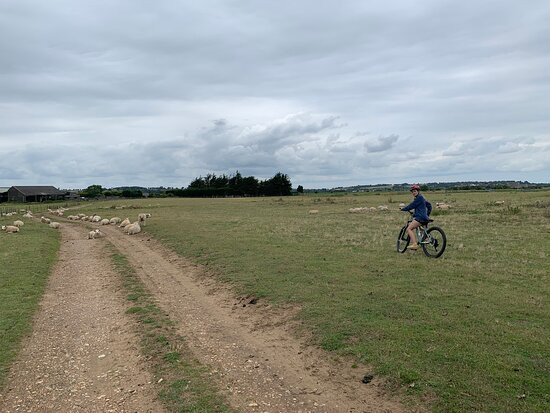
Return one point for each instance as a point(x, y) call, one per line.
point(436, 242)
point(403, 240)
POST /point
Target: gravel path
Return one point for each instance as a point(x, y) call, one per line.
point(256, 360)
point(82, 355)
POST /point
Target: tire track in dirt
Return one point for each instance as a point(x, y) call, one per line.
point(257, 362)
point(82, 355)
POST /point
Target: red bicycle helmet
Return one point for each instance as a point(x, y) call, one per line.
point(415, 186)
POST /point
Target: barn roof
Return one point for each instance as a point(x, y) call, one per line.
point(38, 190)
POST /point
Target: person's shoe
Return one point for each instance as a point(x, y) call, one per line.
point(413, 247)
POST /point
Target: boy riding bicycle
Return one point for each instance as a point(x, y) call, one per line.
point(422, 210)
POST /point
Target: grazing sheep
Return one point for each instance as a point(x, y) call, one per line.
point(96, 233)
point(143, 217)
point(124, 223)
point(81, 215)
point(132, 228)
point(499, 202)
point(114, 220)
point(18, 223)
point(313, 211)
point(45, 220)
point(55, 225)
point(358, 210)
point(442, 206)
point(383, 208)
point(104, 221)
point(10, 228)
point(28, 215)
point(96, 218)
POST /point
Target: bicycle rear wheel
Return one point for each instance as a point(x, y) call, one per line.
point(437, 242)
point(403, 240)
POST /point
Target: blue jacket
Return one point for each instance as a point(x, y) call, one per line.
point(422, 208)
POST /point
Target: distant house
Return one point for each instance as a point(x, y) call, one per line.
point(72, 195)
point(35, 194)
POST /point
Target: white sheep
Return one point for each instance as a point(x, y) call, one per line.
point(132, 228)
point(124, 223)
point(45, 220)
point(358, 210)
point(55, 225)
point(114, 220)
point(104, 221)
point(402, 205)
point(10, 228)
point(313, 211)
point(96, 218)
point(28, 215)
point(18, 223)
point(383, 208)
point(95, 234)
point(143, 217)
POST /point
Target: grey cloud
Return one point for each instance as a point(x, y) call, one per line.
point(383, 143)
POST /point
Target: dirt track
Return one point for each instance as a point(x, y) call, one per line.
point(82, 355)
point(256, 361)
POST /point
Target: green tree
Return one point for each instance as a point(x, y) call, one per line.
point(279, 185)
point(93, 191)
point(300, 189)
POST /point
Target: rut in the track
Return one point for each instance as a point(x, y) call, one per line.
point(257, 362)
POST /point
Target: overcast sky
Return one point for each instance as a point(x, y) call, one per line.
point(134, 92)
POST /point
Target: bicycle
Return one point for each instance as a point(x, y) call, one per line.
point(432, 240)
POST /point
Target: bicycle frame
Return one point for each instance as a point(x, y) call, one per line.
point(422, 236)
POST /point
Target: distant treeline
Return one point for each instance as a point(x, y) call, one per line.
point(235, 185)
point(436, 186)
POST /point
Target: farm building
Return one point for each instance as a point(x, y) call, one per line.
point(34, 193)
point(3, 194)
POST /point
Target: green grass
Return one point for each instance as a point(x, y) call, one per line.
point(471, 330)
point(26, 260)
point(185, 385)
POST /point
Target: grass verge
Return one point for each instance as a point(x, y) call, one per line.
point(26, 260)
point(185, 384)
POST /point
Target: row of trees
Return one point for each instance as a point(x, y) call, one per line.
point(209, 186)
point(95, 191)
point(235, 185)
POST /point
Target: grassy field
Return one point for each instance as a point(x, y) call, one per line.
point(26, 260)
point(467, 332)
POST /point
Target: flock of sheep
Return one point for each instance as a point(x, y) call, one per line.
point(127, 226)
point(17, 224)
point(358, 210)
